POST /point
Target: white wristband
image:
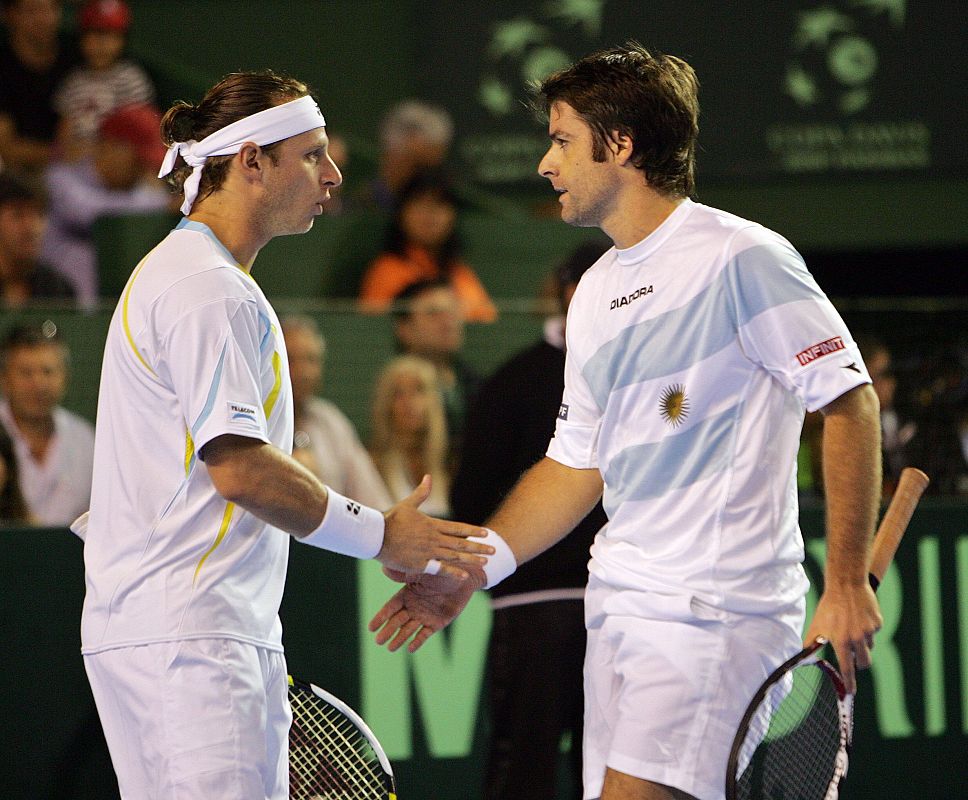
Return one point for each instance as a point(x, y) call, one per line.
point(348, 528)
point(502, 563)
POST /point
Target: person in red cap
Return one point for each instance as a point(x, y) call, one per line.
point(118, 177)
point(107, 80)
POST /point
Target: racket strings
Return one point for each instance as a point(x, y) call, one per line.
point(795, 740)
point(329, 757)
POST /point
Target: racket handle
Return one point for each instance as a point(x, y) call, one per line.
point(910, 487)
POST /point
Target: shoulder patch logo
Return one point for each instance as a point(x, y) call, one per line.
point(674, 405)
point(820, 349)
point(563, 411)
point(243, 411)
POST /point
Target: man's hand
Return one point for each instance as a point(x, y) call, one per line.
point(411, 540)
point(421, 608)
point(847, 617)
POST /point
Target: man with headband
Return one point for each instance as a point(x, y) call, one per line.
point(194, 484)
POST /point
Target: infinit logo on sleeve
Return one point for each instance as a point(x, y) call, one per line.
point(243, 411)
point(563, 411)
point(819, 350)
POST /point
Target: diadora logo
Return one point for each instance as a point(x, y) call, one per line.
point(618, 302)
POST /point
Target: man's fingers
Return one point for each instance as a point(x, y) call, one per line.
point(405, 632)
point(422, 636)
point(461, 529)
point(418, 495)
point(452, 572)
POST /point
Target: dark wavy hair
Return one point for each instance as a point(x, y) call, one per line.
point(426, 182)
point(651, 98)
point(237, 95)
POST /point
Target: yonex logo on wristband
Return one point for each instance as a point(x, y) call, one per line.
point(353, 508)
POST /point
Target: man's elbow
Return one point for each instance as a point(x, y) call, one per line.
point(230, 463)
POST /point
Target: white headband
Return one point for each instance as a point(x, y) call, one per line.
point(265, 127)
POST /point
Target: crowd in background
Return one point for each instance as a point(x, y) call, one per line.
point(79, 140)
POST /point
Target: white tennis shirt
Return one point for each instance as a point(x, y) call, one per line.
point(194, 350)
point(691, 357)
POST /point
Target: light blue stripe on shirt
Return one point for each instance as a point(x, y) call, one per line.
point(645, 471)
point(212, 393)
point(755, 280)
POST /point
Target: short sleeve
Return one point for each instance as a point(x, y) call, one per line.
point(212, 357)
point(787, 325)
point(575, 443)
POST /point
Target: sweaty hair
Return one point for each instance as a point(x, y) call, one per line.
point(651, 98)
point(237, 95)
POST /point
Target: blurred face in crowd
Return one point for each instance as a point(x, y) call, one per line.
point(21, 230)
point(118, 164)
point(34, 380)
point(434, 327)
point(428, 220)
point(305, 351)
point(101, 49)
point(409, 405)
point(36, 21)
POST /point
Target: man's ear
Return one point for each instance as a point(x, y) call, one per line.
point(250, 159)
point(621, 146)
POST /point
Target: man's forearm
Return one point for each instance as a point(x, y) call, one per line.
point(544, 506)
point(263, 480)
point(852, 481)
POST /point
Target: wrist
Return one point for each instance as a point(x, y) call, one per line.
point(348, 528)
point(499, 565)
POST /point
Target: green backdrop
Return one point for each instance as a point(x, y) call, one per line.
point(912, 711)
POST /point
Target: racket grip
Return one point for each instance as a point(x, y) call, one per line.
point(910, 487)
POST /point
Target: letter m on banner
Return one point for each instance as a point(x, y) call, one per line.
point(444, 677)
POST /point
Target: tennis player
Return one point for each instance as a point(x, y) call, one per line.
point(693, 348)
point(194, 484)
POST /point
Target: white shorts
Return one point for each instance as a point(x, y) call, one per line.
point(195, 720)
point(664, 697)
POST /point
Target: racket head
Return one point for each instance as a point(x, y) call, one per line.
point(795, 736)
point(332, 751)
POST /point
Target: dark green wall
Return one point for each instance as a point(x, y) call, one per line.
point(912, 708)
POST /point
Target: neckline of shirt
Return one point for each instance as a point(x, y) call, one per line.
point(641, 250)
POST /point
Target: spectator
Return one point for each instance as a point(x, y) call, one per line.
point(422, 244)
point(23, 277)
point(104, 82)
point(428, 323)
point(120, 177)
point(409, 435)
point(539, 608)
point(54, 447)
point(325, 441)
point(34, 59)
point(896, 432)
point(13, 507)
point(413, 136)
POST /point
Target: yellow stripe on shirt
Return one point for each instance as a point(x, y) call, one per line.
point(189, 451)
point(223, 529)
point(276, 385)
point(124, 314)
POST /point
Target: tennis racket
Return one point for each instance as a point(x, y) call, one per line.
point(333, 755)
point(795, 737)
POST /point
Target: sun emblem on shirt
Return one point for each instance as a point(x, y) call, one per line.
point(674, 405)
